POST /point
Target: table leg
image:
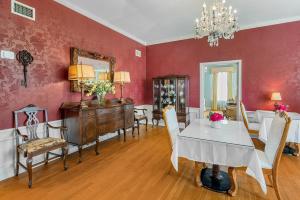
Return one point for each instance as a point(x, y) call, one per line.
point(234, 187)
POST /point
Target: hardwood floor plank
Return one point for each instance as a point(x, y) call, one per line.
point(137, 169)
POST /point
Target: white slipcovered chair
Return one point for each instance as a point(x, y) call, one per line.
point(271, 155)
point(253, 128)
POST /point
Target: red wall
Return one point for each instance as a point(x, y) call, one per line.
point(270, 62)
point(49, 39)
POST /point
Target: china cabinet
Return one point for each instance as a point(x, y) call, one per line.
point(171, 90)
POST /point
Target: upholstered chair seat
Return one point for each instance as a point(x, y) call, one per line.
point(40, 144)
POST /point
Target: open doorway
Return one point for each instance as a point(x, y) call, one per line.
point(220, 88)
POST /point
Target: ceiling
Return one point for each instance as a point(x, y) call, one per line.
point(156, 21)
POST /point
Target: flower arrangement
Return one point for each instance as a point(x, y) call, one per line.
point(215, 117)
point(100, 88)
point(280, 107)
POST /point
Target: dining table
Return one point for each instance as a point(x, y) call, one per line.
point(265, 119)
point(228, 146)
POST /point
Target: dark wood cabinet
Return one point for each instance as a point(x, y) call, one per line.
point(85, 125)
point(171, 90)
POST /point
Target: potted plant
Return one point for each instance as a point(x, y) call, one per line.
point(215, 119)
point(100, 88)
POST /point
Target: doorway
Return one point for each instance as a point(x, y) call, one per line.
point(220, 88)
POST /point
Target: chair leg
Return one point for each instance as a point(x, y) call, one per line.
point(29, 170)
point(65, 155)
point(96, 147)
point(17, 163)
point(234, 186)
point(146, 124)
point(138, 127)
point(197, 169)
point(275, 185)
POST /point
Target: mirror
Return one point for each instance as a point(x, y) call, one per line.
point(100, 63)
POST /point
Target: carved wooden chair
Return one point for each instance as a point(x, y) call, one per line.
point(31, 145)
point(140, 117)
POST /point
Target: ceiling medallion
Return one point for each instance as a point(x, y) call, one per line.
point(216, 22)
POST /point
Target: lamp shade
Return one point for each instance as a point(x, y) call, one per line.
point(122, 77)
point(276, 96)
point(81, 72)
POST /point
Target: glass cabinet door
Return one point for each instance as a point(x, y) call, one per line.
point(181, 96)
point(168, 93)
point(156, 96)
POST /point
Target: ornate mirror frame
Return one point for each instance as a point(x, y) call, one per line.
point(76, 52)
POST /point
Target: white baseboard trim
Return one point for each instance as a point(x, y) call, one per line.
point(8, 142)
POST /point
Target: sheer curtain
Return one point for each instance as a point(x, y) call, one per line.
point(222, 89)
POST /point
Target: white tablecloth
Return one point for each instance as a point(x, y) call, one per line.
point(266, 118)
point(230, 145)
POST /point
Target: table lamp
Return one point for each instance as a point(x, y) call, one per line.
point(80, 73)
point(276, 96)
point(122, 77)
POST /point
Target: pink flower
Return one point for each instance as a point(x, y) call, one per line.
point(216, 117)
point(281, 107)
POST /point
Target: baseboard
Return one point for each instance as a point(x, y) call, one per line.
point(8, 142)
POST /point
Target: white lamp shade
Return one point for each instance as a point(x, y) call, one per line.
point(103, 76)
point(81, 72)
point(276, 96)
point(121, 77)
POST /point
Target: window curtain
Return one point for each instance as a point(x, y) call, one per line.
point(222, 87)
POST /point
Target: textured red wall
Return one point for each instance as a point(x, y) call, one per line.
point(270, 62)
point(49, 39)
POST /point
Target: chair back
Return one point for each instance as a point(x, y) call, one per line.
point(170, 118)
point(32, 121)
point(244, 115)
point(277, 137)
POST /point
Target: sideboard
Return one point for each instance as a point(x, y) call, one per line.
point(85, 125)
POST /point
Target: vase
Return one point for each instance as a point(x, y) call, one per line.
point(216, 124)
point(101, 99)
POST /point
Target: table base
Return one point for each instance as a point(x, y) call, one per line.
point(289, 150)
point(219, 184)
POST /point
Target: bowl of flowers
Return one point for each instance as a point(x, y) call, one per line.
point(215, 119)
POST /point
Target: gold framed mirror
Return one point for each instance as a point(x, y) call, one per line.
point(102, 64)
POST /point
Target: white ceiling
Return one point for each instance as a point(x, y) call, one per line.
point(157, 21)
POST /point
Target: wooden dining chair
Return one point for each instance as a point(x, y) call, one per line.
point(270, 157)
point(138, 117)
point(253, 128)
point(32, 145)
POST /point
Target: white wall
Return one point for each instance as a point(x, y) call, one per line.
point(7, 142)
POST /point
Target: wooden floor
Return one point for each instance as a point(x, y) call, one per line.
point(136, 169)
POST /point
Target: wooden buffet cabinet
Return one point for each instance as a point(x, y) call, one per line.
point(85, 125)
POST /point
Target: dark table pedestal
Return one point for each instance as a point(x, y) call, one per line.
point(215, 180)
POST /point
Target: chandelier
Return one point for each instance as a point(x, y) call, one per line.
point(216, 22)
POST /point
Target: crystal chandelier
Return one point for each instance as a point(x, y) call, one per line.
point(217, 22)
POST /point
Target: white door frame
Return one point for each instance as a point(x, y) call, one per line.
point(239, 68)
